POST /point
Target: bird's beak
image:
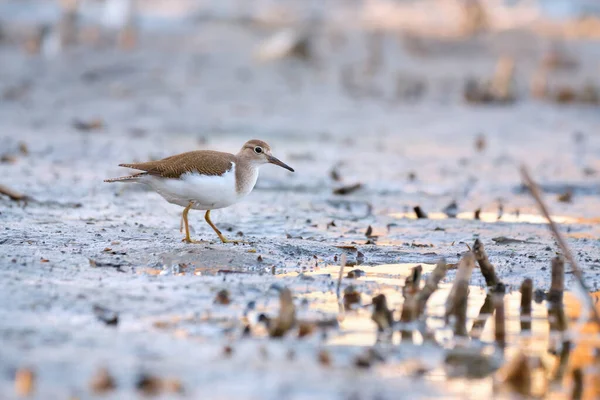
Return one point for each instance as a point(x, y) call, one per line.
point(276, 161)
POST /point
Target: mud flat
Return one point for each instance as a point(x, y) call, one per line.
point(395, 122)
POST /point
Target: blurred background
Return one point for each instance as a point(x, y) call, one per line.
point(412, 89)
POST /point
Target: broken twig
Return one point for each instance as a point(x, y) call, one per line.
point(535, 192)
point(14, 196)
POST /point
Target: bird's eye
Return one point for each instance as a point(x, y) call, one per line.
point(258, 149)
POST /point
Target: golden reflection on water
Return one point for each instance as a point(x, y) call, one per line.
point(506, 217)
point(357, 329)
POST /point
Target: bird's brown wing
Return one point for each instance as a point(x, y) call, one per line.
point(204, 162)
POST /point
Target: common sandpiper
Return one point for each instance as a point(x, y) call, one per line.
point(204, 179)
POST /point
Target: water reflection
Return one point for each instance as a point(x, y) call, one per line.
point(464, 366)
point(506, 217)
point(357, 329)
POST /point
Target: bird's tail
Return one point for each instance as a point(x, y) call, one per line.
point(128, 178)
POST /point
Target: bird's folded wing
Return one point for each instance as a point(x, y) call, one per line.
point(204, 162)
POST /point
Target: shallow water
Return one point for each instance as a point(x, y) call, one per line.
point(356, 331)
point(506, 217)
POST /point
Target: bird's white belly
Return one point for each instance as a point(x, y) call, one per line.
point(206, 192)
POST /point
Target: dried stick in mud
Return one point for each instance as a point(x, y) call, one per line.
point(287, 315)
point(339, 282)
point(409, 308)
point(493, 284)
point(499, 320)
point(486, 310)
point(420, 213)
point(526, 296)
point(486, 267)
point(556, 311)
point(431, 285)
point(456, 304)
point(557, 318)
point(577, 393)
point(412, 282)
point(383, 317)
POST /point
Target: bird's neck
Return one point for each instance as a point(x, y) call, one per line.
point(246, 174)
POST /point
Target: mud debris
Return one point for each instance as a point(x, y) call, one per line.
point(324, 358)
point(566, 197)
point(469, 362)
point(480, 143)
point(516, 374)
point(525, 309)
point(102, 382)
point(109, 317)
point(222, 297)
point(369, 357)
point(87, 126)
point(499, 319)
point(14, 195)
point(451, 210)
point(420, 213)
point(149, 385)
point(456, 303)
point(286, 319)
point(507, 240)
point(355, 274)
point(24, 382)
point(351, 297)
point(345, 190)
point(382, 315)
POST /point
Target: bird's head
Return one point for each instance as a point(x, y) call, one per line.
point(258, 153)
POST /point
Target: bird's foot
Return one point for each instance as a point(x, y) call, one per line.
point(225, 240)
point(188, 240)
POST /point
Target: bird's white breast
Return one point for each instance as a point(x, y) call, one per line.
point(205, 191)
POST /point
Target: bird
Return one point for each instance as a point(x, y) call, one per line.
point(204, 179)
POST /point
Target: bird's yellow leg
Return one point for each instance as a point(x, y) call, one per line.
point(217, 231)
point(187, 238)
